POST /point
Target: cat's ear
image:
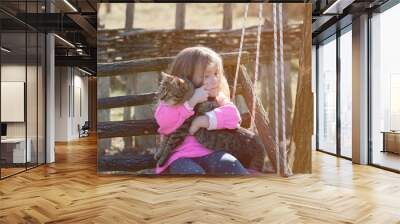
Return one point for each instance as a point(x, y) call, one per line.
point(180, 80)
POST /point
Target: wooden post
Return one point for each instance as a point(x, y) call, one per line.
point(129, 82)
point(99, 26)
point(145, 82)
point(108, 7)
point(227, 19)
point(136, 66)
point(103, 91)
point(180, 16)
point(130, 15)
point(130, 79)
point(262, 124)
point(92, 107)
point(299, 154)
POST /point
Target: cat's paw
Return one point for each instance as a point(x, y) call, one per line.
point(161, 158)
point(157, 155)
point(160, 162)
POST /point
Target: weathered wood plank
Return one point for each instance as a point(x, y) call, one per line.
point(153, 64)
point(293, 30)
point(111, 129)
point(246, 119)
point(120, 45)
point(261, 120)
point(133, 66)
point(126, 101)
point(126, 162)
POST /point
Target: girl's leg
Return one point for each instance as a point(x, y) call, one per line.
point(220, 162)
point(185, 166)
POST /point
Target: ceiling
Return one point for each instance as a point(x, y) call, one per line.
point(73, 21)
point(332, 15)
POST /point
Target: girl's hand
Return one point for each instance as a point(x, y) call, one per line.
point(212, 89)
point(197, 123)
point(200, 95)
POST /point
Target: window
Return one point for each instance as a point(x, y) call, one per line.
point(346, 93)
point(22, 75)
point(385, 89)
point(327, 96)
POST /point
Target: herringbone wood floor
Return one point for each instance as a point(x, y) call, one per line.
point(70, 191)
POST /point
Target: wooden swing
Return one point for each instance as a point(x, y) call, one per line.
point(276, 154)
point(281, 166)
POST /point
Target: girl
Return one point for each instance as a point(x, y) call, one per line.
point(204, 68)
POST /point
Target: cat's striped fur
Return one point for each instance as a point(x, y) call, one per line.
point(240, 142)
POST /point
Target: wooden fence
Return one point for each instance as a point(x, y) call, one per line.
point(126, 52)
point(109, 129)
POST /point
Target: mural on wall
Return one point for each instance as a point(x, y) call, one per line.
point(185, 97)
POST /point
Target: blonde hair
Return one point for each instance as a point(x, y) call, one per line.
point(185, 62)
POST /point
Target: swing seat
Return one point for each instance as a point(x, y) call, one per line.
point(145, 164)
point(128, 162)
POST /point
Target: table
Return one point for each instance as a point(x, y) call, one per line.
point(391, 141)
point(13, 150)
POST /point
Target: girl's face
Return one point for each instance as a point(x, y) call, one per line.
point(209, 79)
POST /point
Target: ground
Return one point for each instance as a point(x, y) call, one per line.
point(70, 191)
point(162, 16)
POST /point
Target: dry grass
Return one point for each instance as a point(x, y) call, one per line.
point(162, 15)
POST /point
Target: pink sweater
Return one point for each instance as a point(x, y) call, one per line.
point(169, 118)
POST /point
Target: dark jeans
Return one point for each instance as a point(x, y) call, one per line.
point(216, 163)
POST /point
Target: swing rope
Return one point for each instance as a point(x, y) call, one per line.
point(282, 76)
point(252, 114)
point(278, 77)
point(240, 51)
point(253, 110)
point(276, 114)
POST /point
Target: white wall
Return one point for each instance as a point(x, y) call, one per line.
point(70, 83)
point(61, 103)
point(13, 73)
point(33, 126)
point(80, 89)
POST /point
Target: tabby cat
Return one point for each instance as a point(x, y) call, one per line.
point(240, 142)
